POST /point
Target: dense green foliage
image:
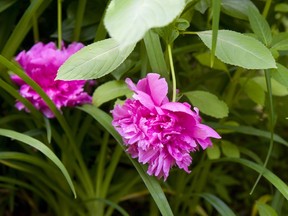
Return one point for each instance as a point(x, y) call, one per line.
point(231, 61)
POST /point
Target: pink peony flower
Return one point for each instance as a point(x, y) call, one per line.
point(41, 63)
point(159, 132)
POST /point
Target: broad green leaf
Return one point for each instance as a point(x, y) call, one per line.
point(265, 210)
point(229, 149)
point(205, 59)
point(280, 75)
point(248, 130)
point(280, 42)
point(277, 88)
point(240, 50)
point(270, 176)
point(151, 183)
point(236, 8)
point(208, 103)
point(213, 152)
point(281, 7)
point(260, 26)
point(127, 21)
point(40, 147)
point(218, 204)
point(109, 91)
point(94, 61)
point(254, 91)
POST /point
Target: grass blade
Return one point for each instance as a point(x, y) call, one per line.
point(151, 183)
point(42, 148)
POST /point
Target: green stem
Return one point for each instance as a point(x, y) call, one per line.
point(172, 73)
point(59, 22)
point(232, 86)
point(35, 27)
point(101, 32)
point(271, 125)
point(100, 173)
point(79, 19)
point(266, 8)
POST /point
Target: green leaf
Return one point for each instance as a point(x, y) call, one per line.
point(280, 42)
point(265, 210)
point(281, 7)
point(94, 61)
point(127, 21)
point(254, 91)
point(260, 26)
point(151, 183)
point(6, 4)
point(240, 50)
point(205, 59)
point(248, 130)
point(208, 103)
point(229, 149)
point(271, 177)
point(218, 204)
point(277, 88)
point(155, 54)
point(236, 8)
point(213, 152)
point(42, 148)
point(109, 91)
point(280, 75)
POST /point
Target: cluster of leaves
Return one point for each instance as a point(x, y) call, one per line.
point(230, 59)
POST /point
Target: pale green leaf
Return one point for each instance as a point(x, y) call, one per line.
point(109, 91)
point(240, 50)
point(208, 103)
point(94, 60)
point(213, 152)
point(236, 8)
point(205, 59)
point(277, 88)
point(265, 210)
point(280, 75)
point(281, 7)
point(260, 26)
point(280, 41)
point(42, 148)
point(229, 149)
point(254, 91)
point(127, 21)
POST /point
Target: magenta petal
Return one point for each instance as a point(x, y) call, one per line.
point(158, 88)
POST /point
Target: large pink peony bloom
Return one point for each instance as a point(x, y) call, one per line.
point(41, 63)
point(159, 132)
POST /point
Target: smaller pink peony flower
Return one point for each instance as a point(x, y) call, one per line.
point(159, 132)
point(41, 63)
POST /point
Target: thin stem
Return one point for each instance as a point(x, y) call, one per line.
point(35, 27)
point(188, 33)
point(172, 73)
point(79, 19)
point(59, 22)
point(266, 8)
point(271, 124)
